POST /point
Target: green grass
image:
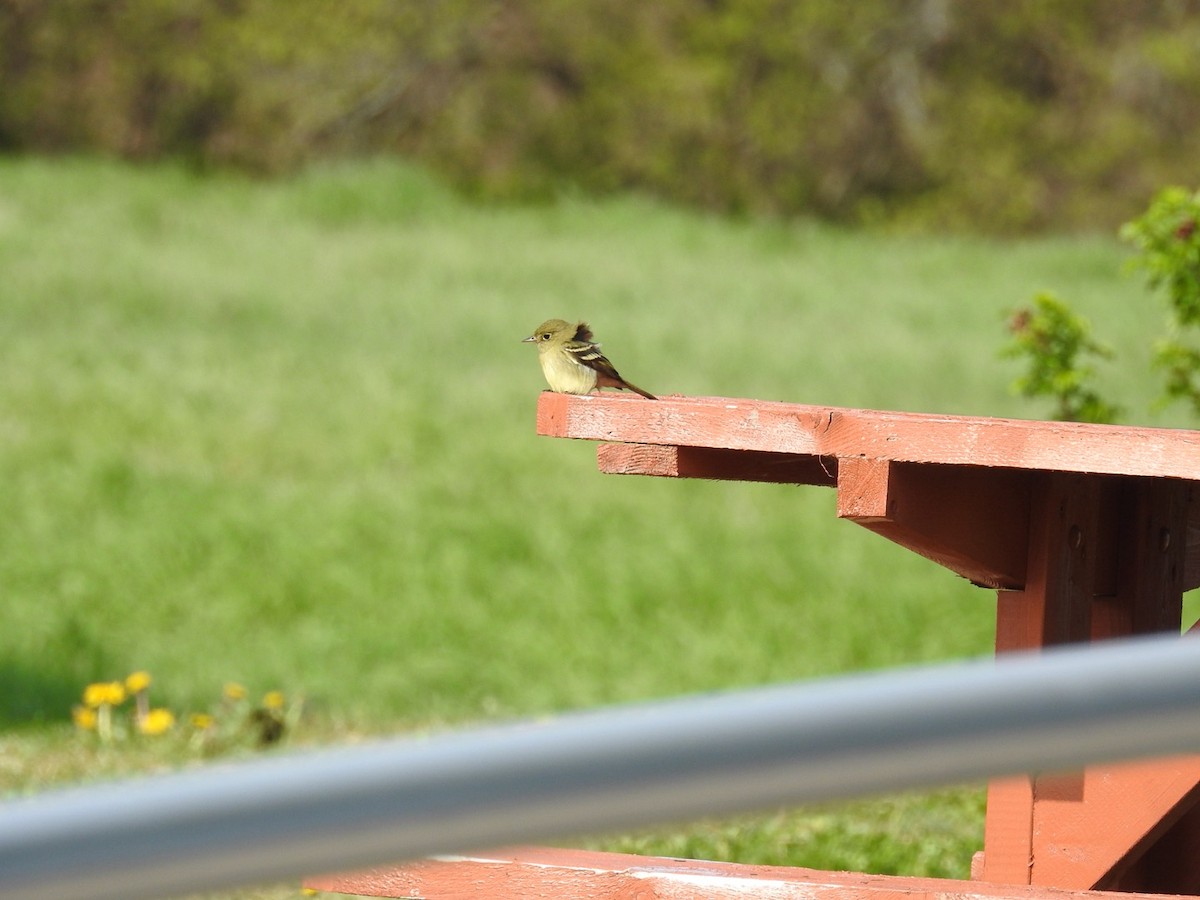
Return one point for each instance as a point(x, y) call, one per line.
point(282, 433)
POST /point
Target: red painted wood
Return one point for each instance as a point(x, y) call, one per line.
point(1066, 548)
point(1191, 552)
point(1052, 607)
point(537, 872)
point(1120, 816)
point(972, 520)
point(1096, 529)
point(1153, 538)
point(1007, 857)
point(1103, 563)
point(1090, 828)
point(905, 437)
point(715, 463)
point(1174, 858)
point(808, 441)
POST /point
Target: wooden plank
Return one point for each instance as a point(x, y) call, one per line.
point(531, 872)
point(1149, 527)
point(1191, 553)
point(793, 428)
point(1052, 607)
point(714, 463)
point(1008, 832)
point(1090, 827)
point(972, 520)
point(1173, 859)
point(807, 442)
point(1102, 564)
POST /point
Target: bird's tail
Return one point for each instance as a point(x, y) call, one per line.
point(607, 376)
point(638, 390)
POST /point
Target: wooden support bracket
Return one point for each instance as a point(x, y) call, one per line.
point(715, 463)
point(972, 520)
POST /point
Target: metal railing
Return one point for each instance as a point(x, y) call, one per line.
point(292, 815)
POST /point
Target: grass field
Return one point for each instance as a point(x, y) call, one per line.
point(282, 434)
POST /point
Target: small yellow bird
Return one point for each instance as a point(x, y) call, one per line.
point(572, 362)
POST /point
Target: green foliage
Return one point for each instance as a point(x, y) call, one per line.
point(987, 117)
point(884, 835)
point(1055, 342)
point(1168, 238)
point(283, 433)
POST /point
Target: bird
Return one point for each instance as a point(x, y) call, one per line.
point(572, 361)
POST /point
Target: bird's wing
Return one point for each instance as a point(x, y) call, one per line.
point(583, 334)
point(589, 355)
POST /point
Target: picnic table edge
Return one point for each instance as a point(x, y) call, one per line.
point(838, 432)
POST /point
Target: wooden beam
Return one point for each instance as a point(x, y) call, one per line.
point(1148, 524)
point(1191, 564)
point(703, 433)
point(589, 875)
point(1173, 859)
point(972, 520)
point(1052, 607)
point(1007, 857)
point(1090, 828)
point(713, 463)
point(794, 428)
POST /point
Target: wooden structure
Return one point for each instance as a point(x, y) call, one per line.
point(1087, 532)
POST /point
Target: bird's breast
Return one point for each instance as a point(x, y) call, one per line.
point(565, 375)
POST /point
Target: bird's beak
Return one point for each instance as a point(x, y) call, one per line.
point(529, 340)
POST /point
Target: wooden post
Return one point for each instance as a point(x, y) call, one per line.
point(1106, 559)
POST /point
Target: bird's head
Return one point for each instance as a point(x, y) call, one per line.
point(553, 331)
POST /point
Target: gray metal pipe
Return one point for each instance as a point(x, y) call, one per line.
point(305, 813)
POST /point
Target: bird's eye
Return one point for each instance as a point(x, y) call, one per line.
point(545, 335)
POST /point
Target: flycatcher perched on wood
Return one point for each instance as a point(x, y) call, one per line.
point(572, 362)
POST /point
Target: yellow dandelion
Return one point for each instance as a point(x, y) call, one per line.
point(95, 694)
point(156, 721)
point(234, 691)
point(201, 721)
point(84, 717)
point(273, 700)
point(104, 693)
point(137, 682)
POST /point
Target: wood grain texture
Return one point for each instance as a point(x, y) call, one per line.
point(774, 427)
point(1173, 858)
point(1191, 553)
point(715, 464)
point(1089, 531)
point(972, 520)
point(537, 872)
point(754, 440)
point(1103, 563)
point(1088, 829)
point(1008, 831)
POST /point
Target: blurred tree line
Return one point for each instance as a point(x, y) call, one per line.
point(994, 115)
